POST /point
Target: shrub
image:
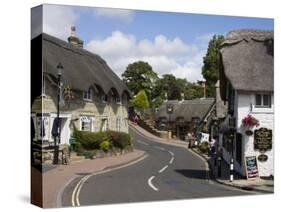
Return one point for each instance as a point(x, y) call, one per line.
point(78, 147)
point(105, 145)
point(89, 154)
point(86, 141)
point(204, 147)
point(120, 139)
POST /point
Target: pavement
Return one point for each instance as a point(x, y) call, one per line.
point(56, 179)
point(258, 184)
point(169, 171)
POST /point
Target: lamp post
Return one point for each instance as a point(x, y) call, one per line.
point(57, 138)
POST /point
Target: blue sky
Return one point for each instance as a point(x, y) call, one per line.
point(173, 43)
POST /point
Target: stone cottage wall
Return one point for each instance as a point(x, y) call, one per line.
point(79, 107)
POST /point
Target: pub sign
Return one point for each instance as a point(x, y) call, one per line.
point(263, 139)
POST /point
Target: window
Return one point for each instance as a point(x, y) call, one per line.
point(118, 124)
point(87, 123)
point(117, 100)
point(104, 126)
point(87, 95)
point(263, 100)
point(104, 98)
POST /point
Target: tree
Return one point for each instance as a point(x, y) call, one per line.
point(140, 76)
point(171, 85)
point(193, 91)
point(140, 101)
point(210, 69)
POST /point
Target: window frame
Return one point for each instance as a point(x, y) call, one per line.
point(262, 105)
point(90, 120)
point(88, 96)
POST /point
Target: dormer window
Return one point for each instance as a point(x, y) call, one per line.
point(87, 95)
point(263, 100)
point(104, 98)
point(118, 100)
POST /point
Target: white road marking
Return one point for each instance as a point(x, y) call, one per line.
point(76, 192)
point(141, 142)
point(150, 183)
point(158, 147)
point(171, 161)
point(163, 169)
point(171, 153)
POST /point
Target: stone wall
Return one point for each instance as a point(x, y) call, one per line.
point(77, 107)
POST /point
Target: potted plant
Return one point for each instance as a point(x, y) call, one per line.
point(249, 122)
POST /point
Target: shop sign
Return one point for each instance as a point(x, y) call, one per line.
point(252, 171)
point(263, 139)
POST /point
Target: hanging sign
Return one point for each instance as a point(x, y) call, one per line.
point(252, 171)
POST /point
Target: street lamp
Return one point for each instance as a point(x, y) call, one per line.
point(57, 138)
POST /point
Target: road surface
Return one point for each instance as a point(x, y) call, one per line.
point(167, 173)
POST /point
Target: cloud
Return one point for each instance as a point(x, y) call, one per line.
point(166, 56)
point(123, 15)
point(58, 19)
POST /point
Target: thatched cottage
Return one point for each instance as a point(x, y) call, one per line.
point(93, 98)
point(246, 84)
point(184, 117)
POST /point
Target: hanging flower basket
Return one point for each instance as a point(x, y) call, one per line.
point(249, 122)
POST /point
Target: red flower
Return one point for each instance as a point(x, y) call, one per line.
point(250, 121)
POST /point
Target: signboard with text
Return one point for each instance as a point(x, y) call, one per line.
point(263, 139)
point(252, 171)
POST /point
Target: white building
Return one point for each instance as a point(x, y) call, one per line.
point(246, 78)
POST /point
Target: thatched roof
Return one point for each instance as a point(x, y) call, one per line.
point(81, 68)
point(186, 109)
point(247, 60)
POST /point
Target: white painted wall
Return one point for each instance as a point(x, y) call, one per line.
point(245, 105)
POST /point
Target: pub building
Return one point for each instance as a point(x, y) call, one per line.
point(246, 86)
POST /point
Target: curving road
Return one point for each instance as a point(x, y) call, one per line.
point(167, 173)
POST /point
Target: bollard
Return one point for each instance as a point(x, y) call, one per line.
point(231, 170)
point(219, 167)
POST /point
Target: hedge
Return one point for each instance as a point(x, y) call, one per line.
point(96, 140)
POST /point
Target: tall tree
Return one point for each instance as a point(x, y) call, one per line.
point(171, 85)
point(210, 69)
point(140, 76)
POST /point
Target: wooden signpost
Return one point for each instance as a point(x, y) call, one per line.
point(252, 170)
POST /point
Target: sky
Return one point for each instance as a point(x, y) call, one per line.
point(172, 43)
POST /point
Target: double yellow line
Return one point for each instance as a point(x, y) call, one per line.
point(76, 192)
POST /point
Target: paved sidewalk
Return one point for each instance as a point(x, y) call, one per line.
point(55, 180)
point(258, 184)
point(155, 138)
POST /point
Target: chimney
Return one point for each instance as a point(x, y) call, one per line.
point(73, 39)
point(203, 86)
point(204, 89)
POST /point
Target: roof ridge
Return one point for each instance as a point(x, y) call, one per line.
point(68, 46)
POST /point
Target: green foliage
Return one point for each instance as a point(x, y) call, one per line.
point(105, 145)
point(140, 100)
point(139, 76)
point(88, 141)
point(89, 154)
point(204, 147)
point(120, 140)
point(210, 69)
